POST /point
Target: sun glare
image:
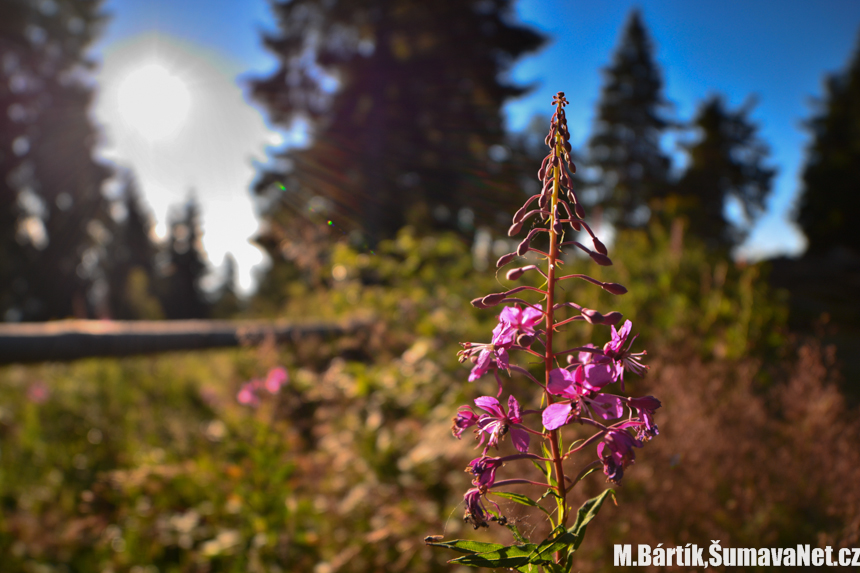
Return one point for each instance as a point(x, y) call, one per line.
point(154, 102)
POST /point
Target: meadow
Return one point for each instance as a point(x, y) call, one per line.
point(152, 464)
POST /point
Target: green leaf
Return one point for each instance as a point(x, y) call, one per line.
point(555, 568)
point(516, 533)
point(519, 498)
point(574, 444)
point(586, 513)
point(511, 557)
point(468, 546)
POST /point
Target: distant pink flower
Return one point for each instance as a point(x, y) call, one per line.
point(248, 393)
point(38, 392)
point(276, 378)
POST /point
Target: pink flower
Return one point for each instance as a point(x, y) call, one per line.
point(484, 470)
point(616, 451)
point(622, 357)
point(581, 386)
point(497, 422)
point(464, 419)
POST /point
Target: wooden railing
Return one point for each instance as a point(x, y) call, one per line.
point(73, 339)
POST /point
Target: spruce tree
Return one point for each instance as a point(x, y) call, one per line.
point(52, 212)
point(226, 301)
point(830, 198)
point(129, 264)
point(402, 99)
point(182, 292)
point(726, 162)
point(625, 146)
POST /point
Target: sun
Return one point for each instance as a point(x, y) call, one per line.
point(154, 102)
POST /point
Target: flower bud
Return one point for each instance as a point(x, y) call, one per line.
point(580, 212)
point(543, 202)
point(525, 340)
point(478, 303)
point(598, 246)
point(523, 247)
point(557, 227)
point(496, 298)
point(505, 259)
point(576, 225)
point(515, 228)
point(613, 288)
point(612, 318)
point(514, 274)
point(572, 166)
point(601, 260)
point(592, 316)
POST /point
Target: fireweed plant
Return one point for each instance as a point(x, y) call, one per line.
point(575, 387)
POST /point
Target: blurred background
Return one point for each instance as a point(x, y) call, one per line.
point(361, 159)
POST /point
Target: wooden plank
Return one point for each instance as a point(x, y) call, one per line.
point(73, 339)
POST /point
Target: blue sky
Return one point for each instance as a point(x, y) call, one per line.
point(778, 52)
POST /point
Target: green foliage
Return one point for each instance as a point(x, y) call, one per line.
point(529, 556)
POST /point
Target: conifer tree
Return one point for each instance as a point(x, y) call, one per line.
point(183, 295)
point(830, 198)
point(226, 300)
point(625, 145)
point(726, 162)
point(51, 207)
point(402, 99)
point(130, 260)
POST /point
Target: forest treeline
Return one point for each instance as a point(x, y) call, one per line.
point(403, 100)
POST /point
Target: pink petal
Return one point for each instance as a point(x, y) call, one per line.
point(555, 415)
point(491, 405)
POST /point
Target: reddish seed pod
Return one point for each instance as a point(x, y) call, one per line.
point(600, 247)
point(613, 288)
point(503, 260)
